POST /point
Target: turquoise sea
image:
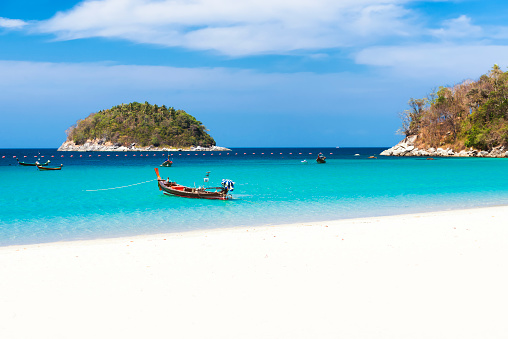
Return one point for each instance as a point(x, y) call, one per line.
point(100, 194)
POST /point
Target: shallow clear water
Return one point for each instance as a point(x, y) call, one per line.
point(38, 206)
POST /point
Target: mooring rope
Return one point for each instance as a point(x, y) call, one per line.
point(114, 188)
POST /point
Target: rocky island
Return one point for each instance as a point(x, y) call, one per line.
point(139, 127)
point(469, 119)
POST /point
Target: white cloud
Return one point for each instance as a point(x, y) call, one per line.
point(460, 27)
point(381, 19)
point(205, 89)
point(234, 27)
point(97, 77)
point(11, 23)
point(435, 60)
point(52, 96)
point(463, 50)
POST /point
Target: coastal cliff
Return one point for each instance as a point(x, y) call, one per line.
point(469, 119)
point(408, 148)
point(139, 127)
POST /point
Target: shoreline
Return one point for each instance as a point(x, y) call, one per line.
point(437, 274)
point(408, 148)
point(183, 232)
point(180, 233)
point(99, 147)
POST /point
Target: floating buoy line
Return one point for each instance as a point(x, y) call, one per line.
point(160, 155)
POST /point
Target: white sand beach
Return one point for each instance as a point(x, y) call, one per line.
point(433, 275)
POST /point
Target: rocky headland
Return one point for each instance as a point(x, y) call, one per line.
point(469, 119)
point(408, 148)
point(106, 146)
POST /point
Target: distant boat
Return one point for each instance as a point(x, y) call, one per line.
point(357, 155)
point(321, 158)
point(44, 168)
point(167, 163)
point(32, 164)
point(304, 162)
point(372, 157)
point(216, 193)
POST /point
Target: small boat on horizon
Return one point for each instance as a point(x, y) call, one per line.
point(167, 163)
point(215, 193)
point(32, 164)
point(45, 168)
point(321, 159)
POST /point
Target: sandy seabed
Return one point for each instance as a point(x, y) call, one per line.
point(428, 275)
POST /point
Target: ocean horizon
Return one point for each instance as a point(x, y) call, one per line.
point(114, 194)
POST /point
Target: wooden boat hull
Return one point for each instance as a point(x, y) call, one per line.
point(172, 188)
point(31, 164)
point(42, 168)
point(321, 159)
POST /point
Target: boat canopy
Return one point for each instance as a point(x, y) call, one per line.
point(228, 184)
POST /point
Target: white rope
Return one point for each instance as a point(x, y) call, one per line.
point(114, 188)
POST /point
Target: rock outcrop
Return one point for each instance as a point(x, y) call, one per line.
point(103, 146)
point(407, 147)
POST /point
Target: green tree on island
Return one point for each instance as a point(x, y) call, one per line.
point(469, 114)
point(142, 124)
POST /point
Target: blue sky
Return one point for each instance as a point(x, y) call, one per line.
point(267, 73)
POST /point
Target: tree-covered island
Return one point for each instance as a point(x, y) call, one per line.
point(468, 119)
point(143, 125)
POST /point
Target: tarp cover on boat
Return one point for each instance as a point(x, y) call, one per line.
point(228, 184)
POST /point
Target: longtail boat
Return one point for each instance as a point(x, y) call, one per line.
point(32, 164)
point(45, 168)
point(217, 193)
point(167, 163)
point(321, 158)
